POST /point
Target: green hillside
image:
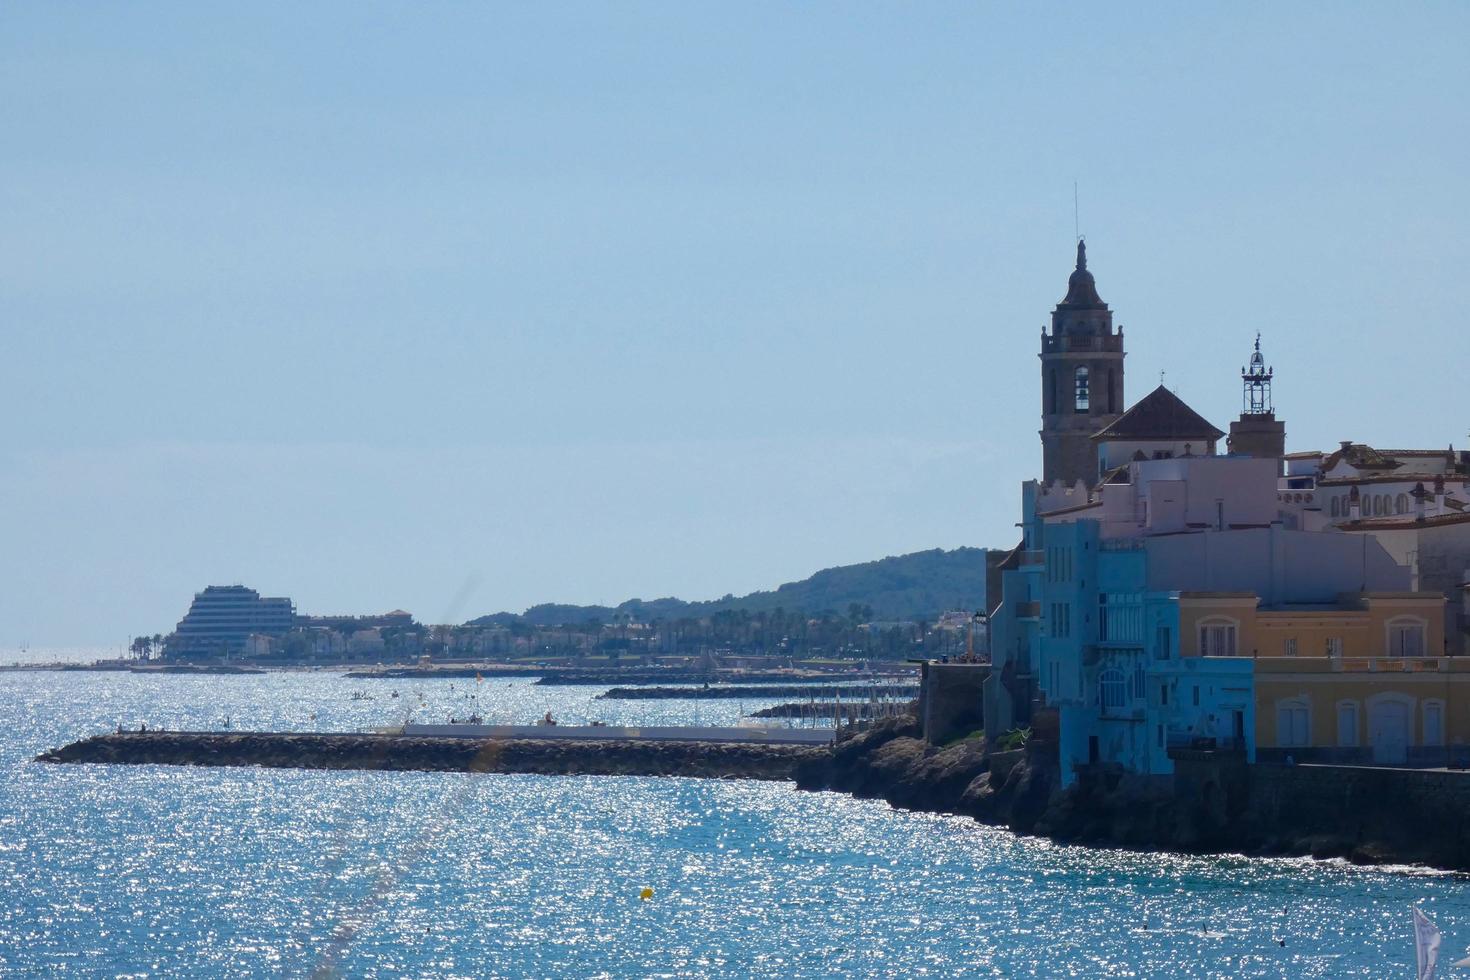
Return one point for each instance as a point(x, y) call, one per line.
point(907, 587)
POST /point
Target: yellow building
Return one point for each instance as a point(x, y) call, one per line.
point(1360, 680)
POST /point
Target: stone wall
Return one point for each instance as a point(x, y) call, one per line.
point(1408, 815)
point(951, 700)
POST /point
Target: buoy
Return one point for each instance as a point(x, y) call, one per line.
point(645, 894)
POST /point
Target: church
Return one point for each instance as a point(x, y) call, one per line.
point(1085, 432)
point(1169, 597)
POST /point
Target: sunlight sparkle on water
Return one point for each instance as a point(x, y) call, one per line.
point(243, 872)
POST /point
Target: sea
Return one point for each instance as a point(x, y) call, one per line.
point(142, 871)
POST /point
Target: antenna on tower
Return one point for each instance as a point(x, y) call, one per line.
point(1076, 221)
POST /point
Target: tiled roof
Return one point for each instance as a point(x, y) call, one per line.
point(1360, 456)
point(1160, 416)
point(1404, 522)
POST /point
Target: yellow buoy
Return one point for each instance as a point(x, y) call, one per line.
point(646, 894)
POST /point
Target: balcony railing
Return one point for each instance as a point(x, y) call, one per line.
point(1205, 743)
point(1028, 610)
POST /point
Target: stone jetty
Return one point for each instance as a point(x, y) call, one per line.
point(403, 753)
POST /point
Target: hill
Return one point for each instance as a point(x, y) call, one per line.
point(906, 587)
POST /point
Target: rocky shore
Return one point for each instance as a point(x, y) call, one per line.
point(398, 752)
point(1368, 816)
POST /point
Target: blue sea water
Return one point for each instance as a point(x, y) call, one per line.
point(181, 872)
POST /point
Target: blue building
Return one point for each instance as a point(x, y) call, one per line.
point(1089, 624)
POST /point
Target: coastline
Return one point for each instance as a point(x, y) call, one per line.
point(1368, 816)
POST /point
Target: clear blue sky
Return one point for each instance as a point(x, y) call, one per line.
point(461, 307)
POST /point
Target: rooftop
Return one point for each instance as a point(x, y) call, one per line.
point(1160, 416)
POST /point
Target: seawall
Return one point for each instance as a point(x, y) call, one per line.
point(1214, 803)
point(830, 692)
point(399, 752)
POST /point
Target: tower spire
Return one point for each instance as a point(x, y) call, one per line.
point(1081, 287)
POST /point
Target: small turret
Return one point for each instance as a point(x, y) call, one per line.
point(1257, 432)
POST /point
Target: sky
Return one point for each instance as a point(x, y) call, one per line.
point(464, 307)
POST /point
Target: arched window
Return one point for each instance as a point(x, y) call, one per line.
point(1293, 723)
point(1334, 507)
point(1401, 504)
point(1082, 402)
point(1111, 691)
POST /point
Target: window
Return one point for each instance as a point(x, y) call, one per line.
point(1293, 724)
point(1139, 681)
point(1347, 724)
point(1164, 695)
point(1111, 691)
point(1081, 389)
point(1061, 619)
point(1163, 640)
point(1290, 646)
point(1196, 695)
point(1401, 504)
point(1433, 722)
point(1219, 515)
point(1217, 640)
point(1333, 507)
point(1406, 638)
point(1334, 646)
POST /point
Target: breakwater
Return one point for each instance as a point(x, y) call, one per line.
point(444, 671)
point(1214, 803)
point(673, 675)
point(828, 692)
point(436, 754)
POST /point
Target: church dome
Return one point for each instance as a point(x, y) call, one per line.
point(1081, 287)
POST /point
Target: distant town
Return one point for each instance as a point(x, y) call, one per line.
point(899, 615)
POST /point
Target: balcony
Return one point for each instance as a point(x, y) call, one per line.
point(1203, 747)
point(1028, 611)
point(1032, 558)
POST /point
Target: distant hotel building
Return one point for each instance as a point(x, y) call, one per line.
point(222, 618)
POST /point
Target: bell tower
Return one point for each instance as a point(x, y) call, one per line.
point(1257, 432)
point(1081, 379)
